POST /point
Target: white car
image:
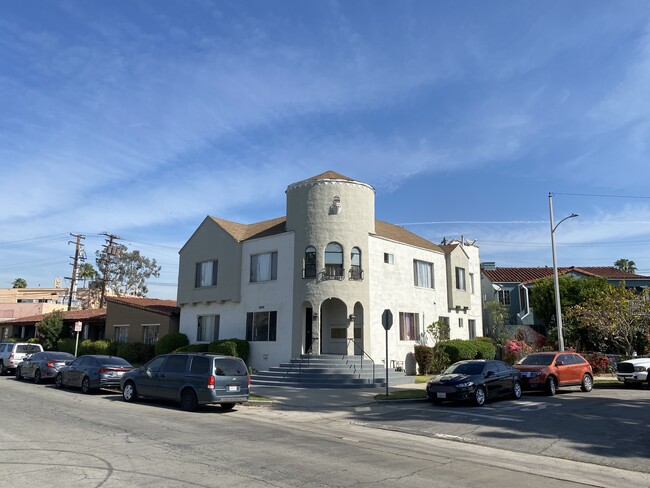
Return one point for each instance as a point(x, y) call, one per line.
point(633, 371)
point(12, 353)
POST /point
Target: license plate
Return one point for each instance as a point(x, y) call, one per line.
point(441, 394)
point(233, 388)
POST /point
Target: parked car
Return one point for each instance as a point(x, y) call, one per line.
point(93, 372)
point(476, 380)
point(12, 353)
point(549, 370)
point(633, 372)
point(191, 379)
point(42, 365)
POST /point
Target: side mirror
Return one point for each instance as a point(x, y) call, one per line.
point(559, 363)
point(489, 373)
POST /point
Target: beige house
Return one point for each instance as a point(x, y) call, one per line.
point(17, 303)
point(131, 319)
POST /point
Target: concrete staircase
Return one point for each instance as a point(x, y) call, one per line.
point(328, 371)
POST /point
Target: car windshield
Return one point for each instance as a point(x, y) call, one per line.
point(537, 360)
point(114, 361)
point(63, 356)
point(465, 368)
point(231, 367)
point(26, 348)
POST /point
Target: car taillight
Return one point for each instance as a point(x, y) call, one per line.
point(11, 356)
point(106, 370)
point(50, 364)
point(249, 382)
point(211, 382)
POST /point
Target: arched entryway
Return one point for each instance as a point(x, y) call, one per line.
point(334, 324)
point(358, 329)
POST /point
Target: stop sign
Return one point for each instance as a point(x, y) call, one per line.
point(387, 319)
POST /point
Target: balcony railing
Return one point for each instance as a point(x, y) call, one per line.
point(332, 272)
point(355, 273)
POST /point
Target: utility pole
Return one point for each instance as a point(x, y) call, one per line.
point(75, 263)
point(110, 250)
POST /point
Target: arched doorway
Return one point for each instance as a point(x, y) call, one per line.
point(334, 324)
point(358, 329)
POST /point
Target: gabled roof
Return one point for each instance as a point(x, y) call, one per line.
point(449, 248)
point(162, 307)
point(243, 232)
point(400, 234)
point(531, 275)
point(90, 315)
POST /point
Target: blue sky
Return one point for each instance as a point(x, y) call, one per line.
point(139, 118)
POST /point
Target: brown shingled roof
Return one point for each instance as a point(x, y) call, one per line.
point(330, 175)
point(243, 232)
point(93, 314)
point(400, 234)
point(530, 275)
point(155, 305)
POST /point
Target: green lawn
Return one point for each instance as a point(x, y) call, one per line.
point(402, 395)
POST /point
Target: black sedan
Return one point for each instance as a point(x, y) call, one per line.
point(43, 365)
point(93, 372)
point(477, 380)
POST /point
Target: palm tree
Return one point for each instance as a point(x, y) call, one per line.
point(625, 265)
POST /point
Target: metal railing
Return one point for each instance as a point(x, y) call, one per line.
point(362, 354)
point(308, 354)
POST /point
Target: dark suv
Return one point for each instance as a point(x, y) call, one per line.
point(192, 379)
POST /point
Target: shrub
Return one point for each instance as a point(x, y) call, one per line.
point(486, 348)
point(229, 348)
point(423, 358)
point(135, 352)
point(242, 348)
point(170, 342)
point(464, 349)
point(193, 348)
point(112, 348)
point(439, 361)
point(66, 345)
point(514, 350)
point(600, 363)
point(93, 347)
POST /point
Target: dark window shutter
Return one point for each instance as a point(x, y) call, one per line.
point(215, 265)
point(273, 320)
point(197, 277)
point(274, 266)
point(249, 326)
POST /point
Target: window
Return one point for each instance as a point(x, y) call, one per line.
point(310, 263)
point(460, 279)
point(423, 273)
point(471, 323)
point(261, 326)
point(200, 365)
point(156, 364)
point(206, 274)
point(504, 297)
point(207, 328)
point(389, 258)
point(175, 363)
point(121, 334)
point(150, 333)
point(471, 283)
point(333, 261)
point(409, 326)
point(460, 323)
point(356, 273)
point(445, 336)
point(264, 267)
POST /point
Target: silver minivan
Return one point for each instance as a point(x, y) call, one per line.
point(192, 379)
point(12, 353)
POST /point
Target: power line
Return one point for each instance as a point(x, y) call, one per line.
point(599, 195)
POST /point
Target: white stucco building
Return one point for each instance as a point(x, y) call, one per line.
point(320, 278)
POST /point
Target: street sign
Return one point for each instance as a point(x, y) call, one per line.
point(77, 326)
point(387, 319)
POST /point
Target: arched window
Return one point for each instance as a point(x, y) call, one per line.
point(309, 270)
point(333, 261)
point(356, 273)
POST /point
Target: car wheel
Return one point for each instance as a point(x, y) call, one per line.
point(587, 383)
point(85, 385)
point(516, 390)
point(130, 394)
point(3, 370)
point(226, 407)
point(479, 396)
point(551, 386)
point(58, 381)
point(189, 403)
point(19, 374)
point(37, 376)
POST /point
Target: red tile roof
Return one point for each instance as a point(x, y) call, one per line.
point(530, 275)
point(95, 314)
point(155, 305)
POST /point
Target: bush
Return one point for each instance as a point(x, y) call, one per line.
point(112, 348)
point(464, 349)
point(439, 361)
point(600, 363)
point(228, 348)
point(66, 345)
point(515, 350)
point(241, 348)
point(423, 358)
point(135, 352)
point(486, 348)
point(93, 347)
point(170, 342)
point(193, 348)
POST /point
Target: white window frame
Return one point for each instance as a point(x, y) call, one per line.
point(118, 329)
point(420, 268)
point(261, 272)
point(389, 258)
point(206, 274)
point(461, 283)
point(207, 332)
point(409, 331)
point(146, 338)
point(471, 283)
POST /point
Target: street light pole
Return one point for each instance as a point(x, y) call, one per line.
point(556, 281)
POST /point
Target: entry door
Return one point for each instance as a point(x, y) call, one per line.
point(309, 314)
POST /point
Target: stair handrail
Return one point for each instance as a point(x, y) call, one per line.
point(367, 355)
point(308, 354)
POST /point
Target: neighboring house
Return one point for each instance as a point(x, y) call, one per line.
point(319, 279)
point(17, 303)
point(93, 323)
point(132, 319)
point(512, 286)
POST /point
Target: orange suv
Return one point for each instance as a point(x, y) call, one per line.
point(550, 370)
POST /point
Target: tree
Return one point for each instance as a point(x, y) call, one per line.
point(497, 327)
point(86, 272)
point(626, 265)
point(619, 316)
point(19, 283)
point(126, 272)
point(573, 291)
point(50, 329)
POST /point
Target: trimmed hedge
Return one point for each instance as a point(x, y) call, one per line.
point(170, 342)
point(93, 347)
point(423, 358)
point(136, 352)
point(461, 349)
point(228, 348)
point(241, 348)
point(66, 345)
point(193, 348)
